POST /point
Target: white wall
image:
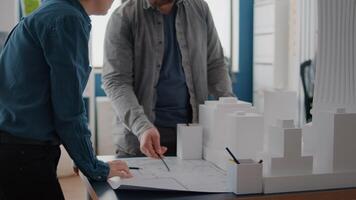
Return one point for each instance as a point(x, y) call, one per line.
point(8, 14)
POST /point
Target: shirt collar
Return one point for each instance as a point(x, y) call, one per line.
point(77, 5)
point(147, 4)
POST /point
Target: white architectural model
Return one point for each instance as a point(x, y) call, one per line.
point(189, 141)
point(279, 105)
point(335, 134)
point(330, 138)
point(318, 156)
point(244, 134)
point(213, 116)
point(344, 142)
point(285, 167)
point(284, 156)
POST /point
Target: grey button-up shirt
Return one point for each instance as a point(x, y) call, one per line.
point(134, 49)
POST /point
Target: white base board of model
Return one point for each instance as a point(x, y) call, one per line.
point(309, 182)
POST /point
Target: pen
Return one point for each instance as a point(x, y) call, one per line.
point(232, 155)
point(134, 168)
point(160, 157)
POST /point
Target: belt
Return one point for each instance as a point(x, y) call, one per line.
point(6, 138)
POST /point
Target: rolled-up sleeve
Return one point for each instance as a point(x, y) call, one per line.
point(118, 77)
point(66, 52)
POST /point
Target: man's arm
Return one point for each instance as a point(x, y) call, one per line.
point(118, 75)
point(219, 82)
point(118, 78)
point(65, 50)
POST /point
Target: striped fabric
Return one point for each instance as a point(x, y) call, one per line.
point(336, 70)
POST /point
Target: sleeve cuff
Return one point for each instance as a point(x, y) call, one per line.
point(142, 125)
point(102, 172)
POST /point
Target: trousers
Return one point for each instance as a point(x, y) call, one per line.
point(29, 172)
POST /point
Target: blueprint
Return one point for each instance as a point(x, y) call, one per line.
point(184, 175)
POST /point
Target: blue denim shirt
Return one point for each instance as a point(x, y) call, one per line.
point(44, 68)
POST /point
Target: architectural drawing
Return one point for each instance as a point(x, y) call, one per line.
point(184, 175)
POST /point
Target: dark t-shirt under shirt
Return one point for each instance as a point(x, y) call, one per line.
point(172, 106)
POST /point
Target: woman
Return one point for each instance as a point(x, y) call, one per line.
point(44, 68)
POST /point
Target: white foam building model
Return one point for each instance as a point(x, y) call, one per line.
point(284, 155)
point(335, 136)
point(244, 134)
point(334, 166)
point(213, 116)
point(318, 156)
point(330, 138)
point(278, 104)
point(189, 141)
point(286, 168)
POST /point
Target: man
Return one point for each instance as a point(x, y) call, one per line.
point(44, 68)
point(162, 59)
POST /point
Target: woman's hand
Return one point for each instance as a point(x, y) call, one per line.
point(119, 168)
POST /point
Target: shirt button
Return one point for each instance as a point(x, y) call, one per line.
point(158, 66)
point(99, 177)
point(159, 23)
point(160, 42)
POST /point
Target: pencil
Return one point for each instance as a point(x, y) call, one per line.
point(134, 168)
point(160, 157)
point(232, 155)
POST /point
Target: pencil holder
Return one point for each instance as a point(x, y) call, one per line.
point(245, 178)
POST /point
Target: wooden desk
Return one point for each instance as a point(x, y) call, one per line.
point(103, 191)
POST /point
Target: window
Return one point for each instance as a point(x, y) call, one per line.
point(98, 34)
point(225, 15)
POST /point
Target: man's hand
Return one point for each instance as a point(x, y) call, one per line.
point(119, 168)
point(150, 143)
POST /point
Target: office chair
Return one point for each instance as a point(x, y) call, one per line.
point(307, 73)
